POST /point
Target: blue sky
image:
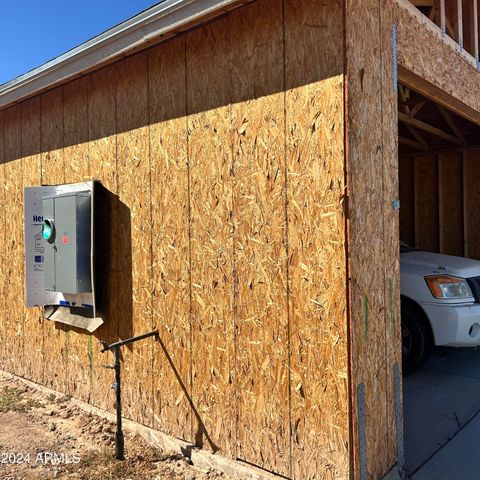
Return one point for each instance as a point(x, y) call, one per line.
point(35, 31)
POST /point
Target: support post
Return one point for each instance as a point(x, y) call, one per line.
point(475, 30)
point(119, 438)
point(117, 386)
point(460, 23)
point(443, 18)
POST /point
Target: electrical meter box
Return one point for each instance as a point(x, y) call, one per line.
point(65, 225)
point(66, 231)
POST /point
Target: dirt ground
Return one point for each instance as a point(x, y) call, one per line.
point(44, 437)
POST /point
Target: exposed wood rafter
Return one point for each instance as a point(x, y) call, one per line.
point(451, 122)
point(428, 128)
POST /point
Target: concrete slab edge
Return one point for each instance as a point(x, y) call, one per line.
point(167, 443)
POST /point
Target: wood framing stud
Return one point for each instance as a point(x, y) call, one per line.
point(475, 30)
point(443, 18)
point(459, 14)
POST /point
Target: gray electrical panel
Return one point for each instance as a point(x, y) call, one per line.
point(67, 239)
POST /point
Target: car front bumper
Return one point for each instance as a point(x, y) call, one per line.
point(454, 325)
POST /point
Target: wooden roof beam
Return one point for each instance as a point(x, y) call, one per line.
point(433, 92)
point(428, 128)
point(451, 122)
point(411, 143)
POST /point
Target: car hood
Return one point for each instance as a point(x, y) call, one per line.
point(435, 263)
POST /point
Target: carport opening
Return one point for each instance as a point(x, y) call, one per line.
point(439, 184)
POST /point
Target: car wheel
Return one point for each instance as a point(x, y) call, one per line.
point(416, 343)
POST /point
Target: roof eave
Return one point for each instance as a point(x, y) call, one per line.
point(161, 19)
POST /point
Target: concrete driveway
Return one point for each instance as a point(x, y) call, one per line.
point(442, 420)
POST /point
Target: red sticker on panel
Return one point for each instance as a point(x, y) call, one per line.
point(65, 240)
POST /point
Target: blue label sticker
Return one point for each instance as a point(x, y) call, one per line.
point(38, 259)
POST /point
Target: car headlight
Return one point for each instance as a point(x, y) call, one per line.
point(447, 287)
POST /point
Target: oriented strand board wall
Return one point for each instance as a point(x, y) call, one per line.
point(103, 166)
point(260, 236)
point(373, 233)
point(316, 233)
point(31, 146)
point(3, 330)
point(170, 240)
point(422, 51)
point(135, 234)
point(439, 195)
point(391, 224)
point(13, 281)
point(223, 151)
point(211, 229)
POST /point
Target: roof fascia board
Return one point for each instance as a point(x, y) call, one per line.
point(158, 20)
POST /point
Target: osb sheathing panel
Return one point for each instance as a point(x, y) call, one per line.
point(316, 226)
point(391, 221)
point(53, 172)
point(103, 167)
point(450, 197)
point(426, 203)
point(407, 200)
point(261, 317)
point(76, 158)
point(368, 105)
point(13, 204)
point(3, 333)
point(200, 233)
point(211, 183)
point(170, 241)
point(31, 147)
point(472, 200)
point(422, 51)
point(135, 240)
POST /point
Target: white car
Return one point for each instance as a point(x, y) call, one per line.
point(440, 303)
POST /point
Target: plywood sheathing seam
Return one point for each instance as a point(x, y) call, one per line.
point(134, 239)
point(103, 167)
point(31, 146)
point(3, 332)
point(391, 221)
point(315, 185)
point(14, 268)
point(170, 240)
point(210, 158)
point(259, 198)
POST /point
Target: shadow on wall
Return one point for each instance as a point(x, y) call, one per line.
point(113, 266)
point(113, 269)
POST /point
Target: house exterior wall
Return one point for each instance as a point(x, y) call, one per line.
point(223, 150)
